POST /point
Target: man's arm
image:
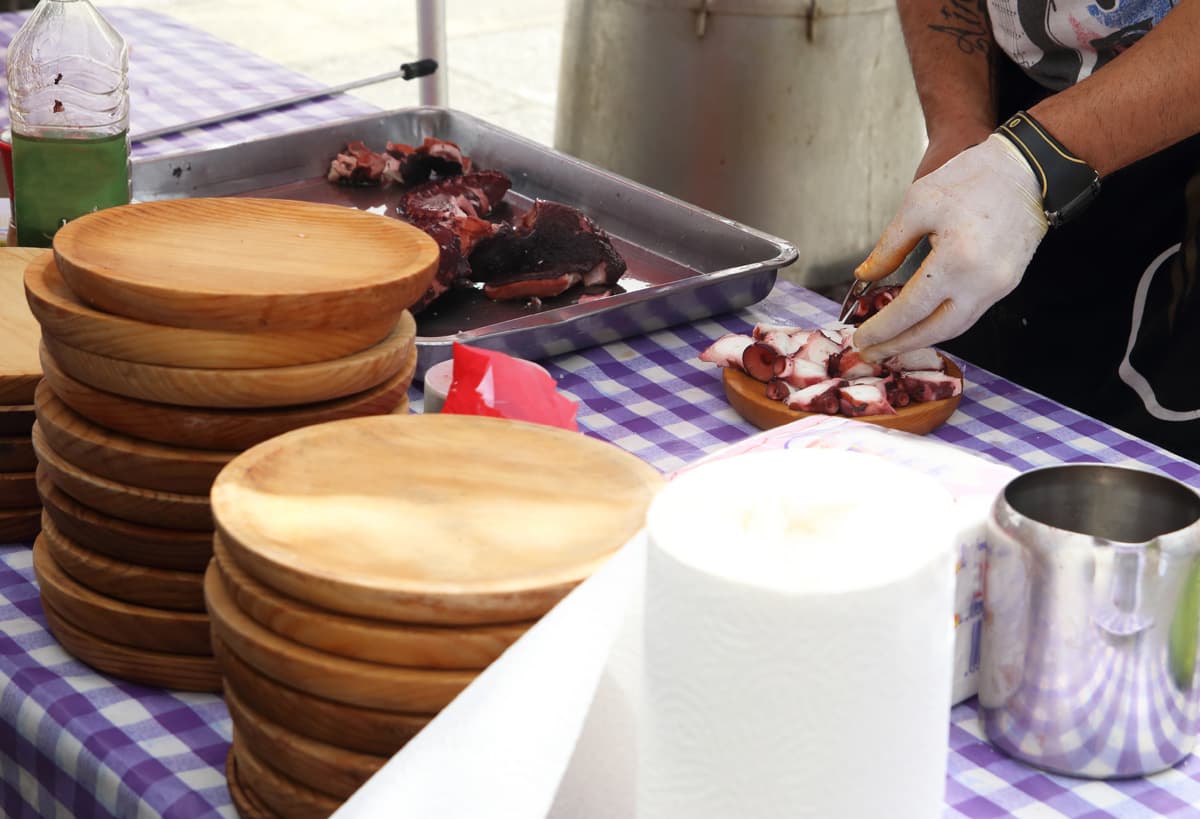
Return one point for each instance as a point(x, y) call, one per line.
point(1145, 100)
point(950, 48)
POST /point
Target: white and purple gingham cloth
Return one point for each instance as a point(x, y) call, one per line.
point(77, 744)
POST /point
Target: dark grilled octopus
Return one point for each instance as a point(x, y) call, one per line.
point(549, 250)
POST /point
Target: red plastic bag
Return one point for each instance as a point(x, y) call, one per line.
point(498, 385)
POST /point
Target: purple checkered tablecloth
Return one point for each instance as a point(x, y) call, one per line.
point(77, 744)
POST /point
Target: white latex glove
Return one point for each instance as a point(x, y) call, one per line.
point(983, 214)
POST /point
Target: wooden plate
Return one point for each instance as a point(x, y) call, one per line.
point(64, 315)
point(216, 428)
point(282, 795)
point(16, 454)
point(499, 519)
point(246, 388)
point(174, 632)
point(175, 549)
point(18, 490)
point(377, 641)
point(17, 419)
point(122, 458)
point(340, 771)
point(19, 331)
point(247, 803)
point(408, 690)
point(139, 585)
point(367, 730)
point(181, 672)
point(170, 510)
point(747, 396)
point(244, 263)
point(20, 525)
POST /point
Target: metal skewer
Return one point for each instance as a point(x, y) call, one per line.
point(407, 71)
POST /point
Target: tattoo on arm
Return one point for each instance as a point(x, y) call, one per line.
point(967, 22)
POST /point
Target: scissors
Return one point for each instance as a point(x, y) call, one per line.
point(857, 290)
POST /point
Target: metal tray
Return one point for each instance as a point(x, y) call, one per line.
point(685, 263)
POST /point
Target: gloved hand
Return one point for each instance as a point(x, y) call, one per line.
point(983, 214)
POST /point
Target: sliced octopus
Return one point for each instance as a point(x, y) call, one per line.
point(819, 371)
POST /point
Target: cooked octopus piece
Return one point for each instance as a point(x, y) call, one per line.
point(434, 158)
point(801, 373)
point(925, 358)
point(358, 165)
point(727, 350)
point(552, 248)
point(864, 399)
point(452, 265)
point(850, 364)
point(926, 385)
point(824, 397)
point(872, 303)
point(470, 195)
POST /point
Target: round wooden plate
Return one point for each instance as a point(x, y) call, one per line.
point(139, 585)
point(17, 419)
point(500, 519)
point(221, 429)
point(18, 490)
point(408, 690)
point(63, 315)
point(170, 510)
point(17, 455)
point(367, 730)
point(246, 388)
point(122, 458)
point(280, 794)
point(244, 263)
point(340, 771)
point(20, 525)
point(247, 803)
point(377, 641)
point(181, 672)
point(747, 396)
point(174, 632)
point(176, 549)
point(19, 332)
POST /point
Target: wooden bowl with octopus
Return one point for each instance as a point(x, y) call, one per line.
point(748, 397)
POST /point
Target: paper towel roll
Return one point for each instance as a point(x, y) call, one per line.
point(798, 637)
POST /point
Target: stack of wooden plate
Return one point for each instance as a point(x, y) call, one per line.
point(20, 513)
point(365, 571)
point(174, 335)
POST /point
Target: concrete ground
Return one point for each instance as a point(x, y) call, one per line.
point(503, 55)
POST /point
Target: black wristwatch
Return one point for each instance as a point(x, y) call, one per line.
point(1068, 183)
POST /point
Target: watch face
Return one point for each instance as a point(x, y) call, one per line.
point(1076, 206)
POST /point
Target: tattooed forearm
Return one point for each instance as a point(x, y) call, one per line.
point(967, 22)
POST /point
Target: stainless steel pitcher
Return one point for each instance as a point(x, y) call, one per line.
point(1092, 621)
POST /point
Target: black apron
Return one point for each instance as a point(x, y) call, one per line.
point(1107, 316)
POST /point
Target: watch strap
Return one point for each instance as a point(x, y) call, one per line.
point(1069, 184)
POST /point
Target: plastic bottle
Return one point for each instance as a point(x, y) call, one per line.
point(69, 105)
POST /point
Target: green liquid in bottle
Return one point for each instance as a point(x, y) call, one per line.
point(56, 180)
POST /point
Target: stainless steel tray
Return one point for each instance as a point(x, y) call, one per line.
point(685, 263)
